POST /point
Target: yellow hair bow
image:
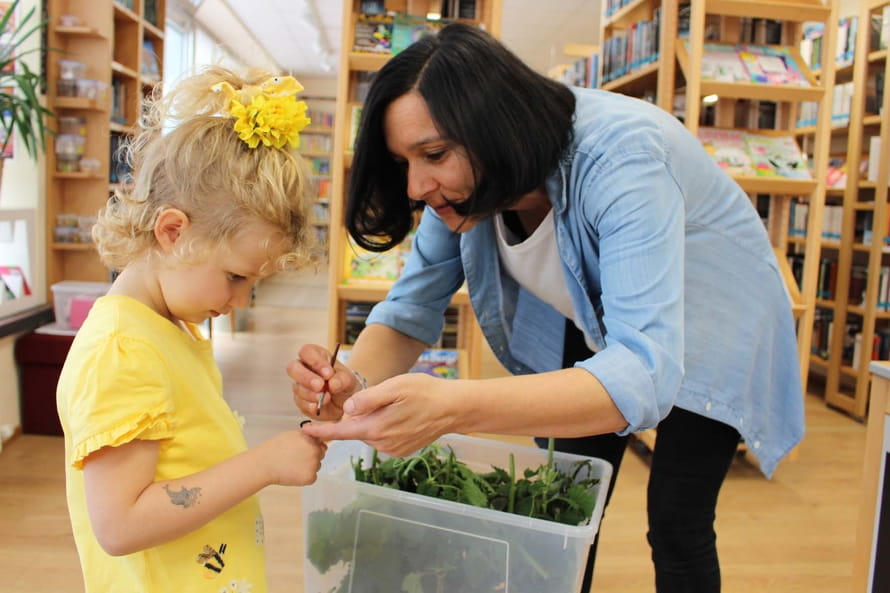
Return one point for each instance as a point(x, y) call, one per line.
point(269, 112)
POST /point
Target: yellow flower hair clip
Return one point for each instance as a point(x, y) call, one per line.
point(269, 112)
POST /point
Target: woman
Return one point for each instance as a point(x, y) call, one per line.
point(624, 279)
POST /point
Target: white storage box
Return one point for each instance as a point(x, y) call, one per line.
point(72, 300)
point(362, 538)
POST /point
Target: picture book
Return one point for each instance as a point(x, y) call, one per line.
point(728, 148)
point(442, 364)
point(406, 29)
point(777, 156)
point(361, 264)
point(722, 63)
point(373, 34)
point(769, 64)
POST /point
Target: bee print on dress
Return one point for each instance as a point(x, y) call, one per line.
point(212, 560)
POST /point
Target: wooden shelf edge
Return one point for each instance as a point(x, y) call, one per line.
point(367, 62)
point(78, 31)
point(376, 290)
point(72, 246)
point(780, 10)
point(618, 18)
point(628, 79)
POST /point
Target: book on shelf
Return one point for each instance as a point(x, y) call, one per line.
point(771, 64)
point(728, 149)
point(777, 156)
point(355, 119)
point(150, 67)
point(407, 28)
point(722, 62)
point(373, 34)
point(741, 153)
point(759, 64)
point(442, 363)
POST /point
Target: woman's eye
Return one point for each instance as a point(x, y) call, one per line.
point(236, 277)
point(435, 156)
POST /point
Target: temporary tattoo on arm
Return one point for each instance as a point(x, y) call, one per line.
point(185, 498)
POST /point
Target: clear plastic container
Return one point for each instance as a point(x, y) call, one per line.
point(71, 69)
point(76, 126)
point(79, 295)
point(368, 531)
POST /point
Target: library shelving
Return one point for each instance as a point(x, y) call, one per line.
point(317, 147)
point(104, 56)
point(738, 105)
point(350, 296)
point(861, 313)
point(641, 25)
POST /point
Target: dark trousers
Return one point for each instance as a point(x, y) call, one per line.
point(691, 458)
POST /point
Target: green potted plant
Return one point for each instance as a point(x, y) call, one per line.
point(21, 111)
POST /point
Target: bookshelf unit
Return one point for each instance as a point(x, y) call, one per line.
point(648, 78)
point(348, 294)
point(721, 21)
point(106, 44)
point(863, 248)
point(317, 147)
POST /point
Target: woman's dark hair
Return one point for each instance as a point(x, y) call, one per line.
point(514, 123)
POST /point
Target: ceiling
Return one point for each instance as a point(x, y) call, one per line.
point(304, 36)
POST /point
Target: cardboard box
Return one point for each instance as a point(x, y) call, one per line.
point(372, 537)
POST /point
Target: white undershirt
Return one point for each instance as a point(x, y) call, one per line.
point(535, 265)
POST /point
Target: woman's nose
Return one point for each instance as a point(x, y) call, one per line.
point(419, 183)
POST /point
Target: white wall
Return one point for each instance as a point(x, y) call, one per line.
point(23, 187)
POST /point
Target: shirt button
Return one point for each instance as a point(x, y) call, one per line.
point(756, 444)
point(741, 421)
point(708, 407)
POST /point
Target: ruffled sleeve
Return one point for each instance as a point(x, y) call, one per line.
point(121, 392)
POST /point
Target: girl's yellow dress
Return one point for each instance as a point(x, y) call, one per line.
point(132, 374)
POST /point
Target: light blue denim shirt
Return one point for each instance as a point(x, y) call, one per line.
point(670, 271)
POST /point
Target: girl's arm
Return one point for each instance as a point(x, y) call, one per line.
point(130, 512)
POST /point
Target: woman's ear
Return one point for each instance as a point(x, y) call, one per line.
point(169, 227)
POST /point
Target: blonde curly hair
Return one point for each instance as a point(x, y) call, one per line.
point(203, 168)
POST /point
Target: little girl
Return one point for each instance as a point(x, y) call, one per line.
point(161, 485)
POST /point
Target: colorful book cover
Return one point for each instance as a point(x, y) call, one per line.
point(438, 363)
point(373, 34)
point(721, 62)
point(728, 149)
point(361, 264)
point(769, 64)
point(777, 156)
point(407, 29)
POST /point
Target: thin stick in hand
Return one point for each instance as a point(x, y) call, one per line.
point(321, 395)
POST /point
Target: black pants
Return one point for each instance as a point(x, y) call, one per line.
point(691, 458)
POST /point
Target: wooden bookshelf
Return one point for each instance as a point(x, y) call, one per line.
point(847, 384)
point(345, 291)
point(109, 41)
point(724, 25)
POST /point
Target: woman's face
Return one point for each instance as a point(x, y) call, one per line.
point(437, 170)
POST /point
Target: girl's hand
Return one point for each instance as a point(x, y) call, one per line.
point(293, 458)
point(312, 374)
point(397, 417)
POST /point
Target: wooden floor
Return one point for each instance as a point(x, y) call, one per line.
point(792, 533)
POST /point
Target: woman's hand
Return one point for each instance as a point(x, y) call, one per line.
point(312, 374)
point(397, 417)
